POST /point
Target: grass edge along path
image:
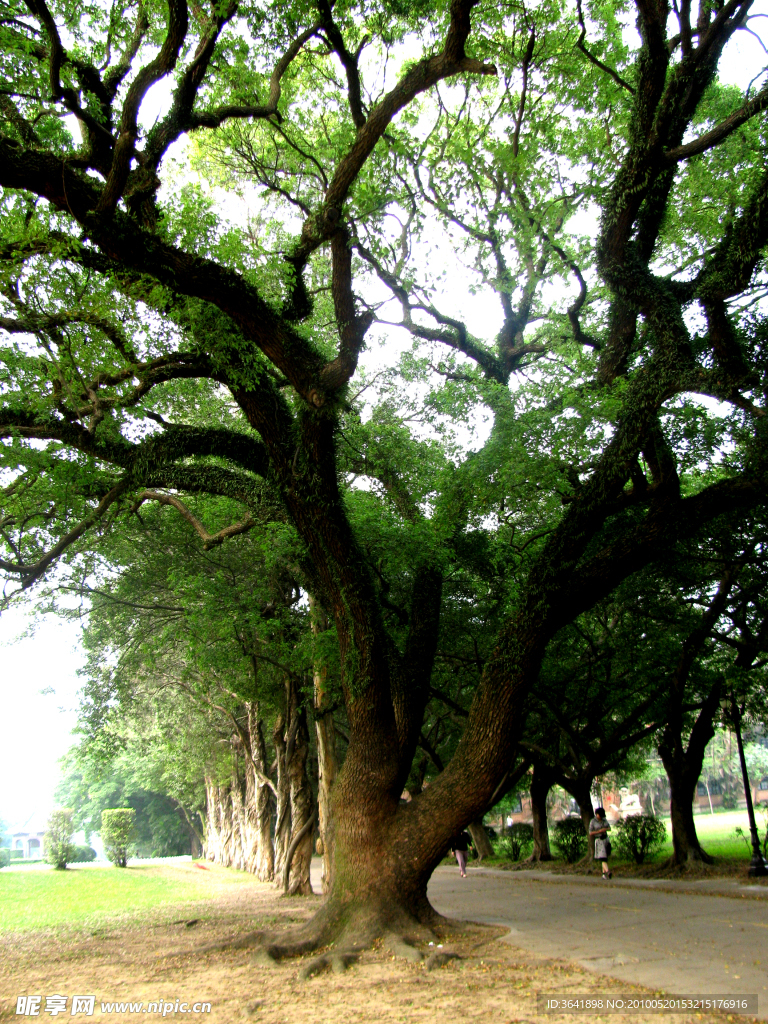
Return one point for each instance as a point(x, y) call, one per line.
point(34, 900)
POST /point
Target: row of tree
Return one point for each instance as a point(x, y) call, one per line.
point(217, 712)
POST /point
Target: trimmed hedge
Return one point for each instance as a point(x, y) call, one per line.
point(83, 855)
point(57, 841)
point(639, 835)
point(516, 839)
point(117, 830)
point(570, 839)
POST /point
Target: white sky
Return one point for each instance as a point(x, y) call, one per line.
point(35, 728)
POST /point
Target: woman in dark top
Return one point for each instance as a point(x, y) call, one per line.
point(459, 846)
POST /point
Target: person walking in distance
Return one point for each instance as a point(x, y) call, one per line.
point(598, 830)
point(459, 846)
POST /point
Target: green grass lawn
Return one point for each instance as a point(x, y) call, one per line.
point(716, 835)
point(89, 896)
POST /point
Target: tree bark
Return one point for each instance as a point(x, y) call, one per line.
point(581, 791)
point(195, 840)
point(327, 756)
point(301, 808)
point(541, 783)
point(259, 800)
point(683, 763)
point(480, 840)
point(282, 835)
point(683, 767)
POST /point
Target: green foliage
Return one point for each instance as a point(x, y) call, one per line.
point(83, 855)
point(515, 841)
point(639, 835)
point(117, 831)
point(57, 842)
point(134, 776)
point(570, 839)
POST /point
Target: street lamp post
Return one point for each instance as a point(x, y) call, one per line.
point(757, 866)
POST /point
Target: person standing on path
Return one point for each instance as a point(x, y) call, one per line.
point(459, 846)
point(598, 829)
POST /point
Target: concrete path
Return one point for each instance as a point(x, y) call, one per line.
point(684, 938)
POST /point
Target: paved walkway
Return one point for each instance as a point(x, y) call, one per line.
point(684, 938)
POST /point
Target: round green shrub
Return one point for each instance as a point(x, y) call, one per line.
point(57, 841)
point(516, 839)
point(639, 835)
point(83, 854)
point(570, 839)
point(117, 829)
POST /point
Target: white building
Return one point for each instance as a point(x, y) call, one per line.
point(28, 837)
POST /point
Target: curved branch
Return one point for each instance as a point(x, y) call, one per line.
point(125, 147)
point(591, 57)
point(210, 540)
point(721, 131)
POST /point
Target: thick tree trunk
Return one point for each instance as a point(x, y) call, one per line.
point(480, 840)
point(219, 832)
point(293, 796)
point(541, 783)
point(211, 841)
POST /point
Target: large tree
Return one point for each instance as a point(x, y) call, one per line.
point(144, 307)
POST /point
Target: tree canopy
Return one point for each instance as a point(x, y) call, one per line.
point(403, 171)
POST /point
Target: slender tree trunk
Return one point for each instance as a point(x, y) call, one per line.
point(327, 756)
point(260, 803)
point(541, 783)
point(480, 839)
point(195, 840)
point(212, 840)
point(302, 808)
point(240, 836)
point(282, 799)
point(581, 791)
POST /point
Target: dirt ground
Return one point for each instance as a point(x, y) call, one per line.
point(157, 958)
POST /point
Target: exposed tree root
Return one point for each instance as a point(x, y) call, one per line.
point(338, 962)
point(244, 942)
point(398, 946)
point(439, 959)
point(339, 932)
